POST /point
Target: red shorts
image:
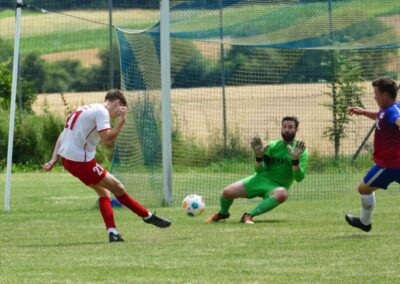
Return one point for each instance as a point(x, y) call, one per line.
point(90, 173)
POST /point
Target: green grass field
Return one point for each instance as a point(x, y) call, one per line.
point(46, 33)
point(53, 235)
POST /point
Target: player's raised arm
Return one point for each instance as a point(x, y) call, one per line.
point(259, 150)
point(108, 136)
point(360, 111)
point(299, 160)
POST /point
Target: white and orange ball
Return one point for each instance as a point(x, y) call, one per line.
point(193, 205)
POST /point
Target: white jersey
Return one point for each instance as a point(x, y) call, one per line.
point(80, 136)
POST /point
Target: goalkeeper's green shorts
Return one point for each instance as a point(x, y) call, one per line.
point(259, 186)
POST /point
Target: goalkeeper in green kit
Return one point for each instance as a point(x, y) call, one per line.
point(277, 165)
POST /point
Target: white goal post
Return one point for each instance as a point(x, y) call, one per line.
point(166, 102)
point(12, 106)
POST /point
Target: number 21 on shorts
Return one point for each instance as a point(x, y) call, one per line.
point(97, 169)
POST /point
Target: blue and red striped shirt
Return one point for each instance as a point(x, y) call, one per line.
point(387, 137)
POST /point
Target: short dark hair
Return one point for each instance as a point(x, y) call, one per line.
point(115, 94)
point(291, 118)
point(386, 84)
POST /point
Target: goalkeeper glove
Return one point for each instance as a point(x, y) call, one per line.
point(258, 148)
point(297, 150)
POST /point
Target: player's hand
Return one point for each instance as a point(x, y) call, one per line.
point(123, 112)
point(49, 165)
point(355, 110)
point(297, 150)
point(258, 147)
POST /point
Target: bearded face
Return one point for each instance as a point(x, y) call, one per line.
point(288, 130)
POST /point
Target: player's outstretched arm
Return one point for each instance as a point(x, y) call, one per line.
point(49, 165)
point(361, 111)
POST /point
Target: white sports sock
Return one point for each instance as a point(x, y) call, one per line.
point(112, 230)
point(367, 206)
point(148, 216)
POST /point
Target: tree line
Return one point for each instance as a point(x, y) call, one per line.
point(191, 68)
point(82, 4)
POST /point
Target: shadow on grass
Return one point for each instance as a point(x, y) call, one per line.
point(272, 221)
point(64, 244)
point(237, 222)
point(355, 236)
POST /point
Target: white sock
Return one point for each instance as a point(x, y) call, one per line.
point(367, 206)
point(112, 230)
point(148, 216)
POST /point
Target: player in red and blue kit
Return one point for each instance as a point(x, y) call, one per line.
point(386, 149)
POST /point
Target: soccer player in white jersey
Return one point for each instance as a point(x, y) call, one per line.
point(76, 145)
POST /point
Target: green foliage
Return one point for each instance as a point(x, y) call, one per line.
point(345, 92)
point(28, 90)
point(374, 63)
point(34, 138)
point(103, 74)
point(68, 75)
point(234, 148)
point(52, 126)
point(256, 65)
point(33, 69)
point(189, 68)
point(6, 51)
point(188, 152)
point(148, 131)
point(3, 137)
point(62, 76)
point(341, 164)
point(69, 5)
point(26, 148)
point(5, 85)
point(104, 155)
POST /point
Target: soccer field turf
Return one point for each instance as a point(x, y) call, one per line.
point(53, 235)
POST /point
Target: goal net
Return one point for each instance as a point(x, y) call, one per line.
point(237, 68)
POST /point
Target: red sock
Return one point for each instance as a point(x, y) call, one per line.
point(132, 204)
point(107, 212)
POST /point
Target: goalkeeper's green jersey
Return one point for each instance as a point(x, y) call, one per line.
point(277, 164)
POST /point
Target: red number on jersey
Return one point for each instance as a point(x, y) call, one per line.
point(73, 116)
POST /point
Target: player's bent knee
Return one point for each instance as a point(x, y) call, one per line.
point(227, 193)
point(118, 188)
point(365, 189)
point(281, 194)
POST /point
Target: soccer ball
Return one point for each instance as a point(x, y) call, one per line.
point(193, 205)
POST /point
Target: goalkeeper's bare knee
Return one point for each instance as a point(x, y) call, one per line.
point(281, 194)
